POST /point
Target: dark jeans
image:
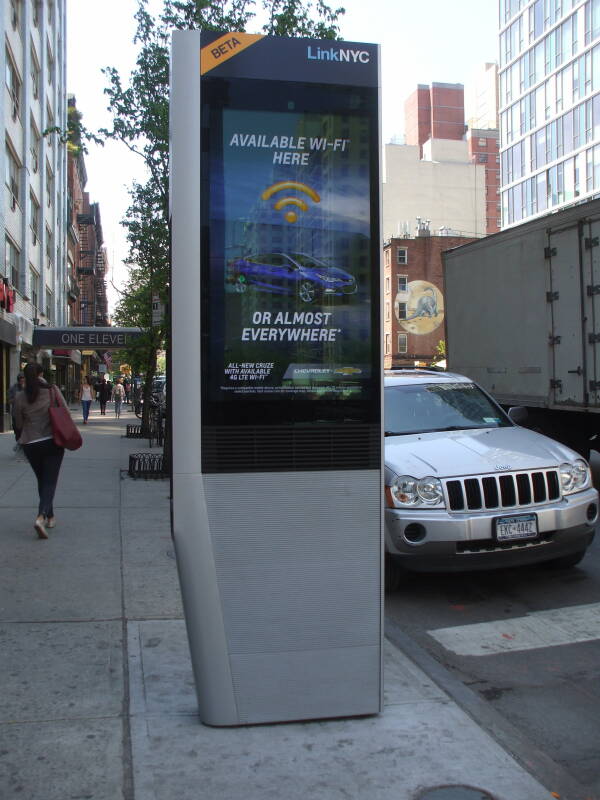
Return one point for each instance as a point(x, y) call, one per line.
point(45, 459)
point(85, 406)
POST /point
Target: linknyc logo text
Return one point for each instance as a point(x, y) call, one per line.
point(329, 54)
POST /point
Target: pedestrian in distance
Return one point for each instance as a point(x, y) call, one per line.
point(103, 392)
point(86, 395)
point(12, 395)
point(127, 388)
point(118, 394)
point(32, 416)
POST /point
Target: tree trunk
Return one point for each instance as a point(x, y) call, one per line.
point(150, 372)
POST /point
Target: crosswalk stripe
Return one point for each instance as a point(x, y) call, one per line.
point(538, 629)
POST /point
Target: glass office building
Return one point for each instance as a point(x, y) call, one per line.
point(549, 97)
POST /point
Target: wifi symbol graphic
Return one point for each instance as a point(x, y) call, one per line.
point(291, 216)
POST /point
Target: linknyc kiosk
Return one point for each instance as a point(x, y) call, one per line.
point(276, 374)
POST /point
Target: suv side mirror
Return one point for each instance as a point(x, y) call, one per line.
point(519, 415)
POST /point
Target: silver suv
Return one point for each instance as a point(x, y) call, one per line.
point(467, 488)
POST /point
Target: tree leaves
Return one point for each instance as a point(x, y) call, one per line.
point(140, 112)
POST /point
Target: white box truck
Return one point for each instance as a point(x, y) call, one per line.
point(523, 321)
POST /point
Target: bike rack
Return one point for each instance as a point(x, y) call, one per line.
point(146, 465)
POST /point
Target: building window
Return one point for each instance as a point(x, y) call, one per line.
point(35, 219)
point(35, 287)
point(386, 257)
point(13, 84)
point(12, 176)
point(402, 255)
point(482, 158)
point(49, 246)
point(49, 186)
point(387, 343)
point(35, 75)
point(49, 126)
point(401, 310)
point(34, 146)
point(11, 263)
point(15, 14)
point(49, 304)
point(483, 143)
point(387, 285)
point(50, 63)
point(403, 343)
point(402, 283)
point(387, 310)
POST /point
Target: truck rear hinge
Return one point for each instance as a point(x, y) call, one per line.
point(592, 290)
point(590, 242)
point(552, 340)
point(594, 386)
point(551, 297)
point(556, 383)
point(593, 338)
point(549, 252)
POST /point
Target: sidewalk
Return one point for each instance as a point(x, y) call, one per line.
point(97, 695)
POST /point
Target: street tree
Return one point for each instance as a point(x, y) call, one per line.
point(140, 120)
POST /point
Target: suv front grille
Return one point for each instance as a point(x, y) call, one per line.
point(509, 490)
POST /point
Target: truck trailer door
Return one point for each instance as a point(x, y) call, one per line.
point(566, 296)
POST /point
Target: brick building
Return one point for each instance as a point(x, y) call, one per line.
point(413, 308)
point(435, 162)
point(435, 112)
point(484, 150)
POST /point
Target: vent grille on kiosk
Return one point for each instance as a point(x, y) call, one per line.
point(242, 448)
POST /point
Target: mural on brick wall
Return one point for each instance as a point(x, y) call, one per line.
point(420, 309)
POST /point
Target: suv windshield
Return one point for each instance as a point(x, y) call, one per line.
point(420, 408)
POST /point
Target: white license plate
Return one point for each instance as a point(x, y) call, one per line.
point(522, 526)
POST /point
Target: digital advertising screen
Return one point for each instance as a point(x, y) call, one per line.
point(291, 255)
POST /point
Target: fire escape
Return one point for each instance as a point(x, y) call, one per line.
point(86, 268)
point(92, 269)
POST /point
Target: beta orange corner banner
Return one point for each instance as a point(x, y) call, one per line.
point(224, 48)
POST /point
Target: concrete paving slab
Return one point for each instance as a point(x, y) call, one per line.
point(146, 535)
point(13, 470)
point(413, 745)
point(77, 537)
point(162, 679)
point(61, 671)
point(151, 591)
point(87, 592)
point(136, 493)
point(81, 483)
point(62, 760)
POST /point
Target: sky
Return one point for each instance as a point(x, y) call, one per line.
point(440, 40)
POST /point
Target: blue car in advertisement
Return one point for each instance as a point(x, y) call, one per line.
point(296, 274)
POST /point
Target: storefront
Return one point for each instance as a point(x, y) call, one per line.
point(67, 372)
point(8, 341)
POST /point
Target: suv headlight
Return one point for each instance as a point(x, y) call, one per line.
point(406, 491)
point(574, 476)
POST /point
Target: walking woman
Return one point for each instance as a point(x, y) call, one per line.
point(117, 395)
point(33, 418)
point(86, 395)
point(103, 393)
